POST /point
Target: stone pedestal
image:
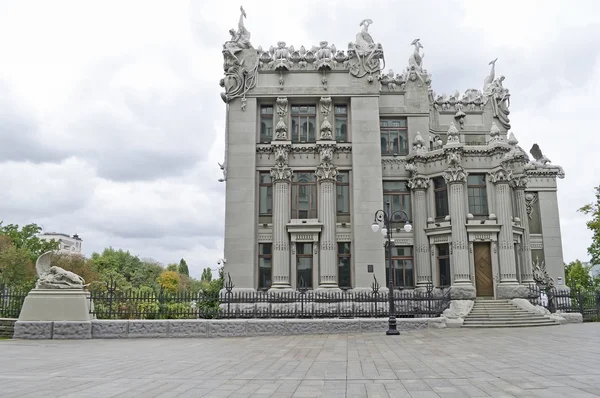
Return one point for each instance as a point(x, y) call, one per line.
point(56, 305)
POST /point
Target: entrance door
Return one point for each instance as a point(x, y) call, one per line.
point(484, 280)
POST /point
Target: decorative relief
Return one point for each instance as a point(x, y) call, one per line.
point(506, 244)
point(415, 68)
point(364, 55)
point(305, 237)
point(453, 135)
point(326, 245)
point(326, 128)
point(481, 237)
point(422, 248)
point(326, 170)
point(391, 82)
point(344, 237)
point(472, 100)
point(419, 144)
point(501, 176)
point(495, 134)
point(280, 246)
point(499, 96)
point(402, 242)
point(293, 246)
point(316, 250)
point(455, 175)
point(280, 127)
point(537, 246)
point(530, 199)
point(281, 170)
point(240, 64)
point(440, 239)
point(460, 244)
point(541, 164)
point(265, 238)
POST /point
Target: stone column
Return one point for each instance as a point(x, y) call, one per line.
point(326, 175)
point(519, 184)
point(419, 185)
point(281, 175)
point(456, 177)
point(506, 249)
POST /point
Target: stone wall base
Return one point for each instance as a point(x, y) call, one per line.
point(194, 328)
point(7, 327)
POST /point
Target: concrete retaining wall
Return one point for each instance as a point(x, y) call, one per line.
point(122, 329)
point(7, 327)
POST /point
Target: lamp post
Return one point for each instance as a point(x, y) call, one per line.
point(386, 218)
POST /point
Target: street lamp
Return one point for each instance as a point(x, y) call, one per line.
point(385, 218)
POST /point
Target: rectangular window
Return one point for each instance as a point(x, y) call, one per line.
point(403, 267)
point(343, 196)
point(265, 198)
point(394, 137)
point(398, 194)
point(477, 193)
point(266, 123)
point(444, 264)
point(304, 264)
point(303, 123)
point(344, 278)
point(304, 195)
point(533, 212)
point(264, 265)
point(440, 190)
point(341, 123)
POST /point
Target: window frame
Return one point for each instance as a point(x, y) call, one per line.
point(400, 258)
point(261, 256)
point(482, 189)
point(340, 116)
point(344, 188)
point(341, 255)
point(404, 197)
point(296, 186)
point(436, 192)
point(445, 257)
point(298, 117)
point(400, 132)
point(265, 138)
point(300, 255)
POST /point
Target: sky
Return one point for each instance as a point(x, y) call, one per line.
point(111, 124)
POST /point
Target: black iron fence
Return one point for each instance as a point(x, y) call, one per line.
point(11, 300)
point(113, 303)
point(574, 299)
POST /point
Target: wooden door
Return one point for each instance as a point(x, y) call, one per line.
point(484, 279)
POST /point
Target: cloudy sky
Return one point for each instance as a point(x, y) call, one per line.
point(111, 124)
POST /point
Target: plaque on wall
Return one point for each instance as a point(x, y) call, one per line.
point(370, 268)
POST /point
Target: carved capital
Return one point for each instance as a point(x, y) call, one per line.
point(519, 182)
point(326, 171)
point(418, 182)
point(501, 176)
point(455, 174)
point(279, 173)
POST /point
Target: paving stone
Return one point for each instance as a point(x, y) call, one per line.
point(418, 363)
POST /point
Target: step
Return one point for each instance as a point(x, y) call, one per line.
point(508, 322)
point(503, 318)
point(500, 313)
point(520, 325)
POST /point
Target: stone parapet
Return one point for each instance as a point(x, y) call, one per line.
point(194, 328)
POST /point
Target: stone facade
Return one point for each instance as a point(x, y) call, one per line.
point(319, 138)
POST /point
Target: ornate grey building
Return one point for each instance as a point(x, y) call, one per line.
point(318, 139)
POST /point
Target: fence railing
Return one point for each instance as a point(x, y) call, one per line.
point(586, 302)
point(113, 303)
point(11, 300)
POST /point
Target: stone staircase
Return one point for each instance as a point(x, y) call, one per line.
point(502, 314)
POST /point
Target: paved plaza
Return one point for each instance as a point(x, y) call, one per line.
point(558, 361)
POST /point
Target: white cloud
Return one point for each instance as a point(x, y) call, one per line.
point(112, 114)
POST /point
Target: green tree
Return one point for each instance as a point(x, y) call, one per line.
point(183, 268)
point(593, 210)
point(116, 261)
point(27, 238)
point(206, 275)
point(173, 267)
point(578, 275)
point(16, 266)
point(169, 280)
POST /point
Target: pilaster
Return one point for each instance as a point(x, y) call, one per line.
point(519, 184)
point(419, 185)
point(326, 175)
point(281, 174)
point(506, 252)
